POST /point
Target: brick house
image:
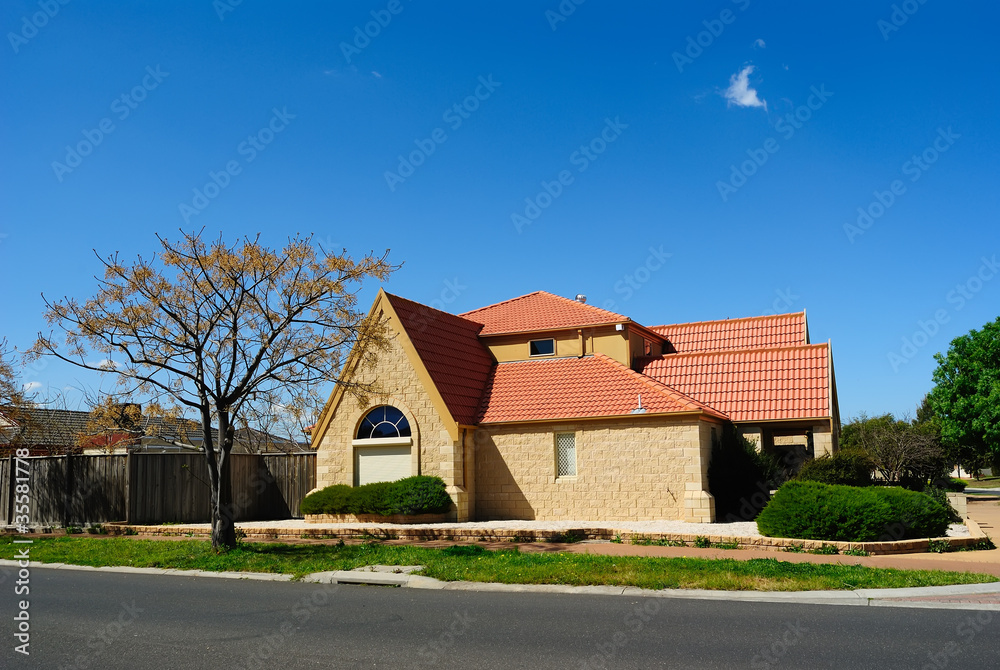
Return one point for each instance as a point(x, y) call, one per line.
point(542, 407)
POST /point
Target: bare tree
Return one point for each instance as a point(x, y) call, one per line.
point(900, 450)
point(234, 326)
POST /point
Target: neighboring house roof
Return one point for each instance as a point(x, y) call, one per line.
point(757, 332)
point(568, 388)
point(450, 349)
point(539, 311)
point(48, 428)
point(752, 385)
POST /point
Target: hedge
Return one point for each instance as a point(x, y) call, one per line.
point(815, 511)
point(846, 467)
point(413, 495)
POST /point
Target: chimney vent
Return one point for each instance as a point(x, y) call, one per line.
point(581, 298)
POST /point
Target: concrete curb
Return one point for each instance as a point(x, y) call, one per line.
point(858, 597)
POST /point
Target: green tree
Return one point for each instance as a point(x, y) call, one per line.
point(966, 393)
point(901, 452)
point(218, 329)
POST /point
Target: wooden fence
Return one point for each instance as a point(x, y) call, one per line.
point(154, 488)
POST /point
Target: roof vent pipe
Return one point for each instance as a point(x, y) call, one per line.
point(581, 298)
point(640, 409)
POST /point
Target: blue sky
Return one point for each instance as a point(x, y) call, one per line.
point(671, 163)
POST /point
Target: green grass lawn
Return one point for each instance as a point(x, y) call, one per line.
point(474, 563)
point(984, 483)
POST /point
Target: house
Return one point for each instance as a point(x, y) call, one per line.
point(542, 407)
point(47, 431)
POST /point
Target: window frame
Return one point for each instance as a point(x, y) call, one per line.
point(544, 339)
point(555, 448)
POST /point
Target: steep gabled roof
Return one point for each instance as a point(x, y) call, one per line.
point(449, 348)
point(539, 311)
point(569, 388)
point(756, 332)
point(752, 385)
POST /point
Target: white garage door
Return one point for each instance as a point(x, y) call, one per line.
point(381, 464)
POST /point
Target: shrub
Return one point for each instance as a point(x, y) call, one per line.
point(954, 485)
point(849, 468)
point(420, 495)
point(413, 495)
point(815, 511)
point(331, 497)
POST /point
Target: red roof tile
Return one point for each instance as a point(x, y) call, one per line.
point(569, 388)
point(757, 332)
point(539, 311)
point(452, 353)
point(756, 385)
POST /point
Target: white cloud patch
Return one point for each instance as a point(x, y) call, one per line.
point(759, 43)
point(739, 92)
point(31, 387)
point(379, 76)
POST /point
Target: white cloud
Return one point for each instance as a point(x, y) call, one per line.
point(376, 74)
point(31, 387)
point(759, 44)
point(739, 92)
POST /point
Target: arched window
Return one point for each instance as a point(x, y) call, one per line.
point(383, 422)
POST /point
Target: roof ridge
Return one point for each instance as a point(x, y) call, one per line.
point(739, 318)
point(740, 351)
point(502, 302)
point(658, 386)
point(576, 303)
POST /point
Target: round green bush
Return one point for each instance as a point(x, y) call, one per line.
point(413, 495)
point(815, 511)
point(846, 467)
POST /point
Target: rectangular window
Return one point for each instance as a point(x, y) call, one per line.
point(565, 454)
point(542, 347)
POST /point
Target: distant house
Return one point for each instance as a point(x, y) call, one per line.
point(543, 407)
point(46, 431)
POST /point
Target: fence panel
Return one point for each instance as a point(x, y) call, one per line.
point(294, 476)
point(168, 488)
point(47, 490)
point(98, 489)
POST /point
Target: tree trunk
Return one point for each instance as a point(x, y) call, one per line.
point(223, 512)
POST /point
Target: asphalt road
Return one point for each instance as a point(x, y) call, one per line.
point(87, 620)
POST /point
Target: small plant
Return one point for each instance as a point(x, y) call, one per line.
point(525, 538)
point(617, 539)
point(73, 530)
point(939, 546)
point(131, 531)
point(641, 540)
point(795, 549)
point(825, 550)
point(702, 542)
point(856, 551)
point(95, 529)
point(727, 545)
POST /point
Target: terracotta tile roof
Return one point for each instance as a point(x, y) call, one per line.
point(539, 311)
point(568, 388)
point(755, 385)
point(451, 351)
point(757, 332)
